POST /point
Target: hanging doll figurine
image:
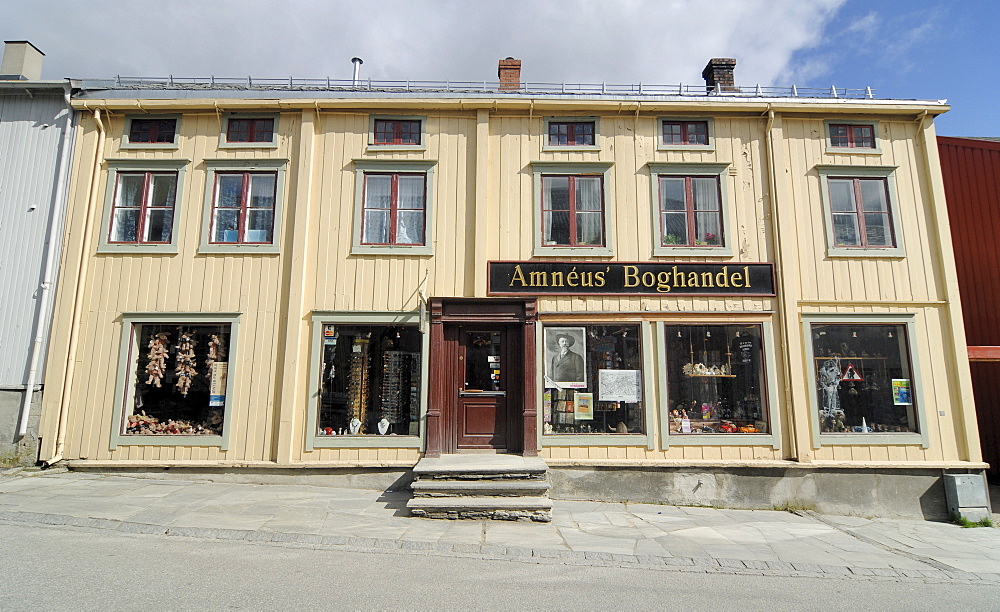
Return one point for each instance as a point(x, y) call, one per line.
point(216, 352)
point(157, 365)
point(185, 362)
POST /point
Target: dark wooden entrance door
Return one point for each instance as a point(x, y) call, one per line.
point(485, 395)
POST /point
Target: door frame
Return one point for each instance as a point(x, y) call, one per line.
point(517, 316)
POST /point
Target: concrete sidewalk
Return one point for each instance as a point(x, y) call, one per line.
point(675, 538)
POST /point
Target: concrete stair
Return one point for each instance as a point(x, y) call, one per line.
point(475, 486)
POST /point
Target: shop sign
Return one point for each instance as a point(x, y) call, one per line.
point(588, 278)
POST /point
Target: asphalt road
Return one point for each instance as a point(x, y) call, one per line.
point(71, 568)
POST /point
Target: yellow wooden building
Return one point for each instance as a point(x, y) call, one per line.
point(705, 295)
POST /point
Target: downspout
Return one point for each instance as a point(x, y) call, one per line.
point(772, 182)
point(81, 284)
point(51, 259)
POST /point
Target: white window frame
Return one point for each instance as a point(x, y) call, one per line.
point(321, 318)
point(876, 150)
point(128, 144)
point(597, 134)
point(661, 146)
point(727, 209)
point(215, 166)
point(224, 134)
point(373, 146)
point(539, 169)
point(125, 378)
point(116, 166)
point(827, 171)
point(819, 439)
point(366, 166)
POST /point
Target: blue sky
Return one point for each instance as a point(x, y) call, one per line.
point(924, 49)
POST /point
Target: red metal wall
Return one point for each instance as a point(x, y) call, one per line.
point(971, 170)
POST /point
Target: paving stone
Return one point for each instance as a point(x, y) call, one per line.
point(142, 528)
point(835, 569)
point(731, 563)
point(678, 561)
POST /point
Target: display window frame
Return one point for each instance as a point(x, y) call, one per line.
point(363, 167)
point(886, 173)
point(128, 352)
point(770, 391)
point(921, 436)
point(216, 166)
point(117, 166)
point(646, 344)
point(727, 210)
point(318, 319)
point(602, 169)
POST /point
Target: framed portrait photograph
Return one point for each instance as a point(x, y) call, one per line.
point(566, 357)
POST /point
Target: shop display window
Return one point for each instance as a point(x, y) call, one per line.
point(593, 380)
point(715, 380)
point(864, 383)
point(370, 380)
point(179, 379)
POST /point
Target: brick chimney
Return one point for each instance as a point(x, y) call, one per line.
point(719, 71)
point(22, 61)
point(509, 72)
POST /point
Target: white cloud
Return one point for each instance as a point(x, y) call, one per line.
point(627, 41)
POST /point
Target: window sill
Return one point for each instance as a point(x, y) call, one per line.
point(134, 146)
point(240, 249)
point(420, 251)
point(862, 253)
point(168, 440)
point(249, 145)
point(871, 439)
point(377, 148)
point(569, 251)
point(689, 251)
point(853, 151)
point(699, 148)
point(143, 249)
point(721, 439)
point(637, 439)
point(366, 442)
point(555, 148)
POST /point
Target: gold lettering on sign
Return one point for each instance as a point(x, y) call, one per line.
point(599, 277)
point(538, 279)
point(518, 277)
point(631, 276)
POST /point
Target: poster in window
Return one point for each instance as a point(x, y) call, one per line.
point(565, 365)
point(217, 384)
point(902, 395)
point(620, 385)
point(584, 406)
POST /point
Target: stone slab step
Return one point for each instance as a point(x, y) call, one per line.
point(537, 509)
point(507, 466)
point(437, 488)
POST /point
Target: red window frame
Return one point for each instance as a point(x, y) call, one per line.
point(393, 209)
point(854, 136)
point(244, 207)
point(685, 133)
point(860, 212)
point(156, 130)
point(250, 129)
point(572, 210)
point(690, 212)
point(572, 133)
point(144, 207)
point(397, 132)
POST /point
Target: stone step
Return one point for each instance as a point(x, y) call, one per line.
point(478, 488)
point(480, 466)
point(497, 508)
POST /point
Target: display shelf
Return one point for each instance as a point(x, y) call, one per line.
point(710, 375)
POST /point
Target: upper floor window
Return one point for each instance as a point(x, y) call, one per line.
point(572, 134)
point(152, 130)
point(143, 208)
point(243, 208)
point(690, 211)
point(860, 211)
point(685, 133)
point(572, 210)
point(852, 136)
point(250, 129)
point(397, 132)
point(394, 209)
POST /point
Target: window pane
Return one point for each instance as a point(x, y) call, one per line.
point(239, 130)
point(179, 380)
point(588, 193)
point(706, 193)
point(410, 227)
point(383, 131)
point(230, 190)
point(697, 133)
point(672, 193)
point(130, 190)
point(411, 192)
point(675, 228)
point(558, 134)
point(262, 190)
point(227, 224)
point(842, 195)
point(838, 136)
point(164, 189)
point(877, 231)
point(263, 130)
point(125, 225)
point(556, 226)
point(715, 379)
point(573, 402)
point(707, 229)
point(589, 228)
point(583, 134)
point(369, 382)
point(259, 225)
point(863, 136)
point(555, 192)
point(410, 133)
point(864, 383)
point(376, 229)
point(845, 229)
point(671, 133)
point(158, 224)
point(378, 191)
point(141, 130)
point(873, 195)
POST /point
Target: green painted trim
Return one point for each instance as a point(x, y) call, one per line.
point(922, 437)
point(825, 172)
point(114, 166)
point(363, 166)
point(555, 148)
point(279, 166)
point(538, 168)
point(829, 148)
point(660, 146)
point(224, 130)
point(123, 400)
point(316, 320)
point(127, 145)
point(371, 147)
point(717, 170)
